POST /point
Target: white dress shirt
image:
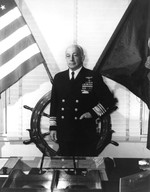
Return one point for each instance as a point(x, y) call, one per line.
point(76, 72)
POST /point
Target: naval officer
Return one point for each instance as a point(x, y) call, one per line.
point(79, 96)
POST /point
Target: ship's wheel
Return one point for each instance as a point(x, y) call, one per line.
point(39, 131)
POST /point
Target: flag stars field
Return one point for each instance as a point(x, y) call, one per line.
point(2, 7)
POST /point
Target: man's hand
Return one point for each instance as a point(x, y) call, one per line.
point(53, 136)
point(86, 115)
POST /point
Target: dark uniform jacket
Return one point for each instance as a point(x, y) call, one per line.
point(88, 93)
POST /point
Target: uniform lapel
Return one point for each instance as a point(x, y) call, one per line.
point(81, 76)
point(65, 82)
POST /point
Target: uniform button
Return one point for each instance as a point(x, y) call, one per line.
point(62, 109)
point(62, 117)
point(77, 101)
point(63, 100)
point(76, 109)
point(76, 118)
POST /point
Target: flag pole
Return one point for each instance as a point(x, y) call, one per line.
point(48, 71)
point(44, 62)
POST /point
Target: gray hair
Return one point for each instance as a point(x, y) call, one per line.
point(79, 48)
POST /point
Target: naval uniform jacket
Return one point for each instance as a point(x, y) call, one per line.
point(88, 93)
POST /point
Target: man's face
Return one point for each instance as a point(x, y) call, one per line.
point(74, 58)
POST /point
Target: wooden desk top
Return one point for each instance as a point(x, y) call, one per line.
point(115, 169)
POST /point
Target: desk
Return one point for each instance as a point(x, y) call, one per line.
point(57, 174)
point(123, 167)
point(115, 169)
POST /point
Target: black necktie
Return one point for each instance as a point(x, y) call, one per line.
point(72, 76)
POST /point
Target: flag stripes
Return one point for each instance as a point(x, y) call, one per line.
point(15, 37)
point(9, 29)
point(17, 60)
point(21, 71)
point(18, 47)
point(19, 53)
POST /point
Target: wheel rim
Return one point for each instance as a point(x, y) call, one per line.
point(40, 123)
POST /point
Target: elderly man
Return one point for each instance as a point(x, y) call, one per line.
point(79, 97)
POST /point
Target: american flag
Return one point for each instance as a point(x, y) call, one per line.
point(19, 53)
